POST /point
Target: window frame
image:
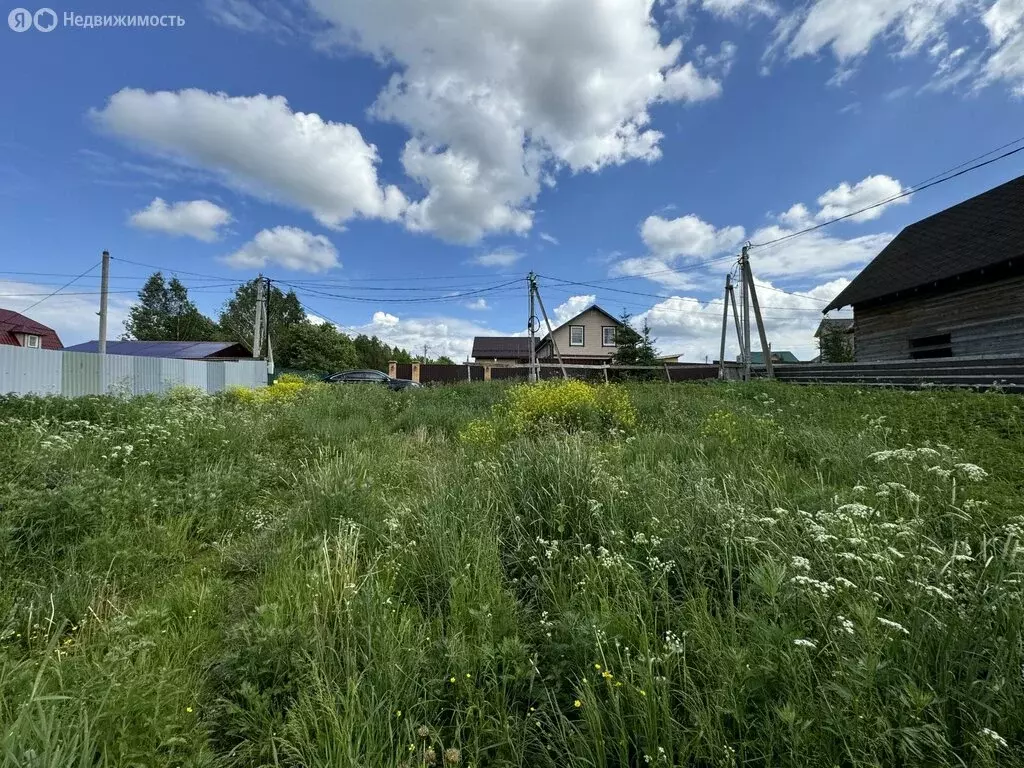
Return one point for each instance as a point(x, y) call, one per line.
point(604, 329)
point(930, 347)
point(583, 336)
point(30, 337)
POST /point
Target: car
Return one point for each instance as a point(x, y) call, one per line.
point(370, 377)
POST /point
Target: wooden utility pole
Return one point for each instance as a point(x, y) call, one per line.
point(725, 326)
point(101, 347)
point(551, 334)
point(257, 326)
point(766, 352)
point(531, 281)
point(745, 298)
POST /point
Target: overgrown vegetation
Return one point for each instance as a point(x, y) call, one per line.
point(754, 575)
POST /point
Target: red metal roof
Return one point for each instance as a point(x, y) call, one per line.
point(12, 322)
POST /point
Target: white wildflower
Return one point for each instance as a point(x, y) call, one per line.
point(844, 582)
point(989, 733)
point(846, 624)
point(804, 643)
point(893, 625)
point(801, 563)
point(971, 471)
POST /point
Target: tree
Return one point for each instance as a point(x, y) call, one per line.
point(165, 313)
point(444, 360)
point(284, 315)
point(835, 346)
point(321, 349)
point(633, 347)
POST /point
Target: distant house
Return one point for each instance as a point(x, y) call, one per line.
point(585, 339)
point(178, 350)
point(782, 356)
point(16, 330)
point(950, 285)
point(842, 325)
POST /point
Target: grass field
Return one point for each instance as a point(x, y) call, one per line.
point(714, 575)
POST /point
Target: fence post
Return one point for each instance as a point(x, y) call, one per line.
point(392, 369)
point(667, 374)
point(605, 370)
point(416, 372)
point(487, 373)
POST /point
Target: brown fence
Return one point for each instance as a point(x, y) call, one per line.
point(455, 374)
point(450, 374)
point(961, 372)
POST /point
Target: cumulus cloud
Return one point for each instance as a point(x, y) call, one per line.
point(846, 198)
point(571, 307)
point(443, 335)
point(732, 8)
point(287, 247)
point(479, 304)
point(72, 315)
point(257, 144)
point(687, 236)
point(693, 327)
point(504, 257)
point(499, 96)
point(548, 238)
point(200, 219)
point(654, 269)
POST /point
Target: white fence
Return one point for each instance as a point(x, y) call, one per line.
point(71, 374)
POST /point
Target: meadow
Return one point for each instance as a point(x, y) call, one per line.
point(665, 575)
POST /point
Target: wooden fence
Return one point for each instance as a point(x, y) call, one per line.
point(453, 374)
point(1005, 373)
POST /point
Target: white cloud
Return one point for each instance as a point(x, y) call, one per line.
point(287, 247)
point(844, 199)
point(1005, 23)
point(499, 96)
point(71, 315)
point(654, 269)
point(571, 307)
point(797, 217)
point(693, 327)
point(443, 335)
point(478, 304)
point(259, 145)
point(813, 254)
point(732, 8)
point(548, 238)
point(687, 236)
point(196, 218)
point(504, 257)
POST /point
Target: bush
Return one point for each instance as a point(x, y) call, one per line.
point(285, 389)
point(570, 406)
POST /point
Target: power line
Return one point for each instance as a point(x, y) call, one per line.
point(932, 182)
point(49, 295)
point(419, 300)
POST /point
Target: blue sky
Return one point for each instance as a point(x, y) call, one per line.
point(359, 148)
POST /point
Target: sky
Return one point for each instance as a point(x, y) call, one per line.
point(403, 164)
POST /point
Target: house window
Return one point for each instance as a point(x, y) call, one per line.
point(575, 335)
point(32, 341)
point(608, 336)
point(924, 347)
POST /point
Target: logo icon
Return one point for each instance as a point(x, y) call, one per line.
point(20, 20)
point(45, 20)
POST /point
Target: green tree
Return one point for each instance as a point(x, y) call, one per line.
point(836, 346)
point(444, 360)
point(321, 349)
point(165, 313)
point(633, 347)
point(284, 315)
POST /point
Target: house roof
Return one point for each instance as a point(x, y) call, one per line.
point(778, 356)
point(832, 324)
point(981, 232)
point(182, 350)
point(501, 347)
point(607, 314)
point(12, 322)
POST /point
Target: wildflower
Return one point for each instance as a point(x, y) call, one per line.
point(452, 679)
point(801, 563)
point(999, 740)
point(188, 709)
point(577, 703)
point(597, 666)
point(398, 713)
point(846, 624)
point(452, 756)
point(893, 625)
point(607, 675)
point(423, 732)
point(430, 756)
point(804, 643)
point(468, 676)
point(971, 471)
point(642, 692)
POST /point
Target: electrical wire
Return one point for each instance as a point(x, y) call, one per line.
point(54, 293)
point(419, 300)
point(932, 182)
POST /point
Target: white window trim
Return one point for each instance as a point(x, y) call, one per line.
point(611, 328)
point(32, 341)
point(583, 336)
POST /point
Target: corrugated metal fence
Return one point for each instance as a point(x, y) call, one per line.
point(72, 374)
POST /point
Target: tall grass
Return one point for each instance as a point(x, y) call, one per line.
point(736, 575)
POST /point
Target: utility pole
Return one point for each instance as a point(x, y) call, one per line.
point(531, 323)
point(745, 299)
point(425, 348)
point(257, 326)
point(766, 350)
point(104, 292)
point(266, 326)
point(551, 334)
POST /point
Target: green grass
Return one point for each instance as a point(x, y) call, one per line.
point(740, 580)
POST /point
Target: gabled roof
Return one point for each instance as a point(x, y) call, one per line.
point(592, 307)
point(832, 324)
point(981, 232)
point(12, 322)
point(501, 347)
point(182, 350)
point(780, 356)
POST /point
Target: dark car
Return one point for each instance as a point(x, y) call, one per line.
point(370, 377)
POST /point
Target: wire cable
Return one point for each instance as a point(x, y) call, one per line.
point(68, 283)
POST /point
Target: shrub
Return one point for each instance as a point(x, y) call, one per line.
point(283, 390)
point(570, 406)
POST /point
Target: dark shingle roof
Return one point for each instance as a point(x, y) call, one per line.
point(501, 347)
point(980, 232)
point(830, 324)
point(782, 356)
point(182, 350)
